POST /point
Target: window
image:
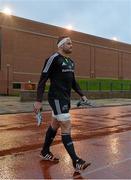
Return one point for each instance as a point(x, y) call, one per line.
point(16, 86)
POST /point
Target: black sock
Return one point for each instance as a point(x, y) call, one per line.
point(67, 141)
point(50, 135)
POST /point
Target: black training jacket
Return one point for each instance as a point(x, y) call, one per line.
point(60, 71)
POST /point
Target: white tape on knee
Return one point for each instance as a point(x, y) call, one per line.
point(62, 117)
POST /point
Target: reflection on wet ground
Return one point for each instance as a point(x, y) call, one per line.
point(100, 135)
point(18, 130)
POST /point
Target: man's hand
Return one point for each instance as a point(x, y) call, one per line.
point(84, 98)
point(85, 102)
point(37, 106)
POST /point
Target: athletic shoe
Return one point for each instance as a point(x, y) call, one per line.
point(48, 157)
point(80, 165)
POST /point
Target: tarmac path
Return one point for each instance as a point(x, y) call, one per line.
point(101, 136)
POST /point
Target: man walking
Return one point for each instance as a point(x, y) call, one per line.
point(59, 68)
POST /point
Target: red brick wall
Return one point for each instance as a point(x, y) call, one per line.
point(106, 63)
point(126, 63)
point(26, 44)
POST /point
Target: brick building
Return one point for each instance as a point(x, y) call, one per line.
point(25, 44)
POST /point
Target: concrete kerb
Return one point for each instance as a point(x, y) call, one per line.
point(13, 105)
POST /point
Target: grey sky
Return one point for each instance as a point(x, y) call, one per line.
point(103, 18)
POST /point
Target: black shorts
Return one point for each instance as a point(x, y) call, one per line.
point(60, 109)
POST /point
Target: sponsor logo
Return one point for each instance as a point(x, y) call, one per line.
point(64, 64)
point(67, 70)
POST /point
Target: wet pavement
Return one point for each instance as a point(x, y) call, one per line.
point(108, 155)
point(12, 104)
point(101, 136)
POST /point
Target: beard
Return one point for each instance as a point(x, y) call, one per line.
point(67, 51)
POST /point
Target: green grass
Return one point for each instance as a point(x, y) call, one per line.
point(102, 84)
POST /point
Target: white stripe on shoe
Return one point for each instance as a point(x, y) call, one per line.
point(49, 157)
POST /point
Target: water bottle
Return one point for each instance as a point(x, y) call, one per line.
point(39, 118)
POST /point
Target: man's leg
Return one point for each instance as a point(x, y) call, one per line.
point(78, 163)
point(61, 113)
point(50, 135)
point(67, 140)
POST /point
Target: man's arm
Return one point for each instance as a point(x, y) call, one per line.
point(77, 88)
point(40, 90)
point(41, 86)
point(42, 82)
